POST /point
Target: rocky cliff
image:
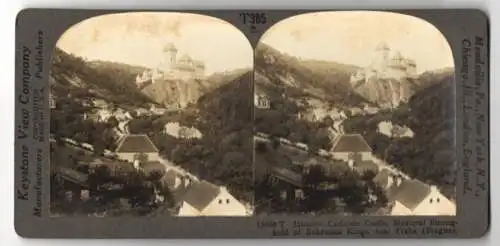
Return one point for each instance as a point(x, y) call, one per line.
point(176, 93)
point(387, 93)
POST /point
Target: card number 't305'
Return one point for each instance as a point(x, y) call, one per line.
point(253, 18)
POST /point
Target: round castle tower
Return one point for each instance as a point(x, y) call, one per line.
point(382, 56)
point(169, 57)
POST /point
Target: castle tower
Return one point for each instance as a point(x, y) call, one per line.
point(169, 57)
point(382, 56)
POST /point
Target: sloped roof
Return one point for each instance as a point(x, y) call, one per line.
point(200, 194)
point(287, 175)
point(76, 176)
point(139, 143)
point(351, 143)
point(410, 193)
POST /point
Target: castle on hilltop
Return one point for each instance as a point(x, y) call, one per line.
point(173, 68)
point(386, 66)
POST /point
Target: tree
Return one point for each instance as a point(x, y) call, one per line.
point(138, 191)
point(112, 122)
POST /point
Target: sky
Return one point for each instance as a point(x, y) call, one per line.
point(138, 39)
point(351, 37)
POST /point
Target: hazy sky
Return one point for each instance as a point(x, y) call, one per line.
point(351, 37)
point(138, 39)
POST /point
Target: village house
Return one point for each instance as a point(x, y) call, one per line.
point(156, 110)
point(262, 101)
point(176, 130)
point(413, 197)
point(338, 126)
point(123, 128)
point(318, 114)
point(137, 148)
point(52, 101)
point(122, 115)
point(416, 198)
point(206, 199)
point(142, 112)
point(347, 145)
point(356, 111)
point(103, 115)
point(389, 129)
point(337, 114)
point(370, 110)
point(99, 103)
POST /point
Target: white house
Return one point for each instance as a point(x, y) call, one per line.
point(104, 115)
point(385, 128)
point(347, 144)
point(392, 130)
point(142, 111)
point(122, 115)
point(123, 127)
point(99, 103)
point(206, 199)
point(132, 147)
point(413, 197)
point(338, 126)
point(52, 101)
point(156, 110)
point(356, 111)
point(262, 101)
point(176, 130)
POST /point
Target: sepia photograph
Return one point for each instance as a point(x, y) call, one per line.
point(354, 114)
point(151, 115)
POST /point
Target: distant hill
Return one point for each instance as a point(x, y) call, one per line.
point(114, 82)
point(430, 78)
point(429, 155)
point(171, 92)
point(320, 79)
point(330, 81)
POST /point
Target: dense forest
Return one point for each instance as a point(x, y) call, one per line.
point(430, 154)
point(322, 79)
point(115, 82)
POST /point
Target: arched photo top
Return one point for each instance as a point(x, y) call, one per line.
point(140, 38)
point(351, 37)
point(137, 93)
point(376, 84)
